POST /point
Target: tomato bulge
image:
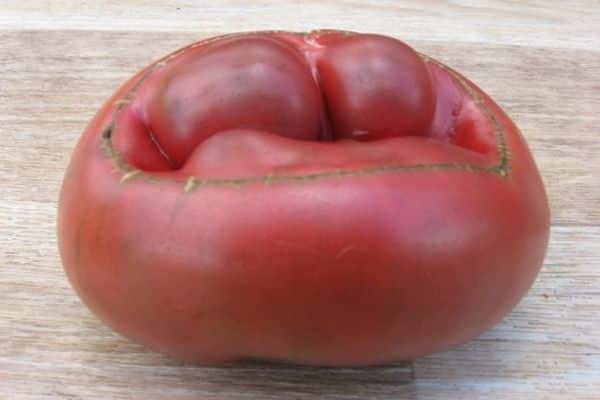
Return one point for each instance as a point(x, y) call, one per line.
point(317, 87)
point(248, 82)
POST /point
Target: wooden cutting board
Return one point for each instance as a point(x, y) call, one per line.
point(59, 60)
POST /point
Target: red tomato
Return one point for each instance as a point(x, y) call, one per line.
point(329, 198)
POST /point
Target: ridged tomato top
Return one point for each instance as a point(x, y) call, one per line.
point(233, 96)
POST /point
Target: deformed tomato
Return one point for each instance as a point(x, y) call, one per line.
point(328, 198)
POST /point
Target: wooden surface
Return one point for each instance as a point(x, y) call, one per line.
point(59, 60)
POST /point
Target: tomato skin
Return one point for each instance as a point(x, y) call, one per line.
point(308, 251)
point(261, 83)
point(376, 87)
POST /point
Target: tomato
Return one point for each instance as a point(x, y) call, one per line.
point(329, 198)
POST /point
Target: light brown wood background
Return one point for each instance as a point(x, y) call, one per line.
point(59, 60)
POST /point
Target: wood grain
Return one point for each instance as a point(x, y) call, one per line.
point(59, 60)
